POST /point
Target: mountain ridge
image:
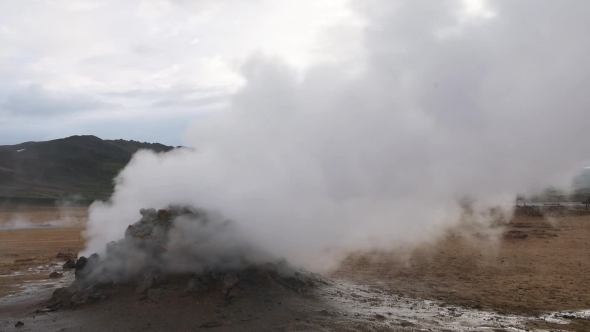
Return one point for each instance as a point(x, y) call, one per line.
point(81, 167)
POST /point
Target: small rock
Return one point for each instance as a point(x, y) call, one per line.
point(70, 264)
point(54, 275)
point(19, 324)
point(195, 285)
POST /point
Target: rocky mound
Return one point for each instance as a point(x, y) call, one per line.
point(170, 249)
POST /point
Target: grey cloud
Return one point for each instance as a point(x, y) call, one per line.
point(179, 90)
point(179, 96)
point(102, 59)
point(145, 50)
point(37, 101)
point(192, 102)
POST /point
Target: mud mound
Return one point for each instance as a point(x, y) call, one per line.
point(221, 286)
point(179, 250)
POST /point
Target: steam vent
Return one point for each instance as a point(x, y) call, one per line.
point(171, 250)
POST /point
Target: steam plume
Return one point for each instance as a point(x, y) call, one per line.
point(445, 105)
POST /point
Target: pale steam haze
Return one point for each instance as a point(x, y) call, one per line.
point(319, 127)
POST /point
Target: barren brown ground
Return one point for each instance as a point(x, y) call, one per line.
point(43, 214)
point(548, 270)
point(536, 267)
point(22, 249)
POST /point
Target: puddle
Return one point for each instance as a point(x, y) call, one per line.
point(361, 303)
point(47, 268)
point(29, 288)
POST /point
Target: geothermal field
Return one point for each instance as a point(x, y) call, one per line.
point(529, 274)
point(294, 165)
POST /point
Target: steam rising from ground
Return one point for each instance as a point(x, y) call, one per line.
point(64, 213)
point(15, 222)
point(441, 104)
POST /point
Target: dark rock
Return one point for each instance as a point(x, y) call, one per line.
point(87, 295)
point(79, 266)
point(195, 285)
point(95, 295)
point(70, 264)
point(79, 298)
point(61, 294)
point(55, 275)
point(62, 297)
point(19, 324)
point(85, 266)
point(93, 258)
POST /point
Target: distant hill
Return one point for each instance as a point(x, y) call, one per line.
point(76, 166)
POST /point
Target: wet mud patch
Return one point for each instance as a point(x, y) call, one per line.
point(357, 305)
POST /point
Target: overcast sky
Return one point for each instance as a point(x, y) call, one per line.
point(143, 69)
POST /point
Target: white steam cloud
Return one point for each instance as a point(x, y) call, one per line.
point(442, 103)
